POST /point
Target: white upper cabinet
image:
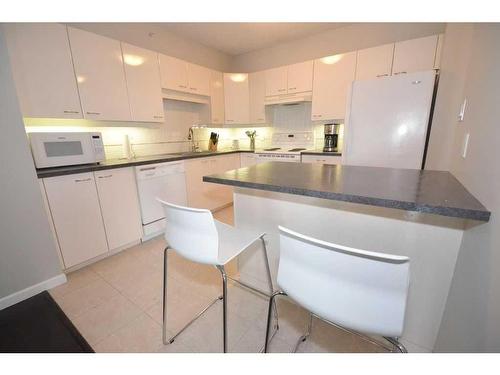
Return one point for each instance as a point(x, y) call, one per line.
point(180, 75)
point(276, 81)
point(374, 62)
point(415, 55)
point(100, 76)
point(300, 77)
point(143, 83)
point(198, 79)
point(43, 70)
point(257, 88)
point(216, 97)
point(333, 76)
point(289, 79)
point(236, 98)
point(119, 202)
point(174, 73)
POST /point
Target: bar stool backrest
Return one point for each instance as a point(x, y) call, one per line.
point(191, 232)
point(357, 289)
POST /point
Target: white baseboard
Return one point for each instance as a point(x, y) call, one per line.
point(14, 298)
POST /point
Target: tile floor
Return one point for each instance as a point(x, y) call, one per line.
point(117, 306)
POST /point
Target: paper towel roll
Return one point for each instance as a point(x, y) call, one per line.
point(126, 147)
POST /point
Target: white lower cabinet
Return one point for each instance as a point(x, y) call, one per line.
point(120, 206)
point(93, 213)
point(321, 159)
point(205, 194)
point(74, 205)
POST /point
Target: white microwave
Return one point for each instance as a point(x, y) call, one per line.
point(61, 149)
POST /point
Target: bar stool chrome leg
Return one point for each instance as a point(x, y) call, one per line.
point(269, 313)
point(224, 307)
point(397, 344)
point(269, 279)
point(164, 328)
point(305, 335)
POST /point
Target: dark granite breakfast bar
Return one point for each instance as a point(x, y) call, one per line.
point(415, 213)
point(433, 192)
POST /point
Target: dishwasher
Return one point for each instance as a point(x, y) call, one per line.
point(166, 181)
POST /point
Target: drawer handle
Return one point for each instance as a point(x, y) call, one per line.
point(399, 73)
point(93, 113)
point(107, 176)
point(383, 75)
point(83, 179)
point(193, 88)
point(182, 86)
point(71, 111)
point(292, 88)
point(215, 119)
point(260, 119)
point(281, 90)
point(157, 116)
point(147, 169)
point(227, 120)
point(317, 115)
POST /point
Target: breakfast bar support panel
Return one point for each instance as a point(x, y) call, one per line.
point(432, 243)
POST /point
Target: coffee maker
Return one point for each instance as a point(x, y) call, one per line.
point(331, 137)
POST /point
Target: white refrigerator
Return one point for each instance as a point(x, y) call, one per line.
point(387, 119)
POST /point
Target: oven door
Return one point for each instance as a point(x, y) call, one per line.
point(60, 149)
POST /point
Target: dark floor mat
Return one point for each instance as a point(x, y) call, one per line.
point(38, 325)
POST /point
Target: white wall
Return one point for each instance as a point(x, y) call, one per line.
point(472, 317)
point(454, 63)
point(162, 41)
point(344, 39)
point(27, 251)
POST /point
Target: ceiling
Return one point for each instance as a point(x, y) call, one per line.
point(238, 38)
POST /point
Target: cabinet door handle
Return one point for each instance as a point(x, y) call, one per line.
point(71, 111)
point(383, 75)
point(399, 73)
point(93, 113)
point(83, 179)
point(107, 176)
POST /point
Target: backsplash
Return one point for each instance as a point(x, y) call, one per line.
point(171, 136)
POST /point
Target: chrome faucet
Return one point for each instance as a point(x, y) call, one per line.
point(194, 147)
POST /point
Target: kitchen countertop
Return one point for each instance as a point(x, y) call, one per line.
point(433, 192)
point(122, 163)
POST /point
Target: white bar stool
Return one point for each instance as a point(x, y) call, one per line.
point(197, 236)
point(359, 291)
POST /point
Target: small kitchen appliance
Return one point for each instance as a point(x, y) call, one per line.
point(331, 137)
point(60, 149)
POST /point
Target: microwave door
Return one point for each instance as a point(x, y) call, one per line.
point(63, 149)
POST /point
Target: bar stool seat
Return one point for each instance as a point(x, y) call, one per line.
point(362, 292)
point(233, 241)
point(197, 236)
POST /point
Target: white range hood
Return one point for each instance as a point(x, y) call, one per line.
point(289, 98)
